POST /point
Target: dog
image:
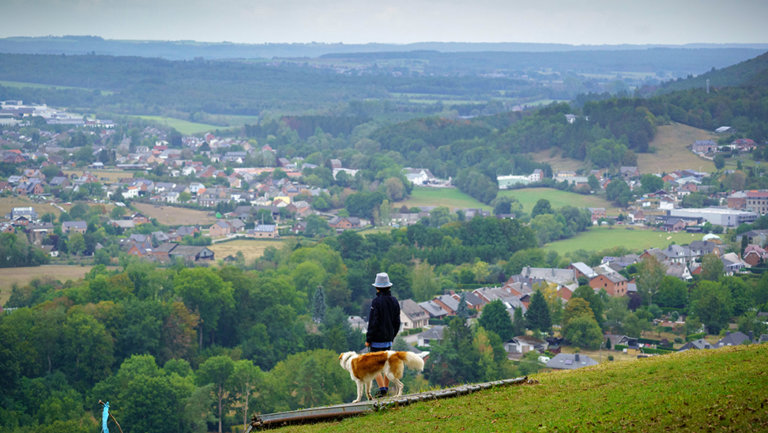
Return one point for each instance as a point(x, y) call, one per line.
point(364, 368)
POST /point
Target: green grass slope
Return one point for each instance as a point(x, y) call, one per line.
point(693, 391)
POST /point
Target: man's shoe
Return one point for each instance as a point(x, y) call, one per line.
point(382, 392)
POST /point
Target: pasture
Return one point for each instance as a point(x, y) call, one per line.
point(252, 249)
point(8, 203)
point(632, 238)
point(671, 152)
point(451, 198)
point(22, 276)
point(175, 216)
point(557, 198)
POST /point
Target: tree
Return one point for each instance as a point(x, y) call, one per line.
point(711, 267)
point(719, 161)
point(495, 318)
point(651, 182)
point(576, 307)
point(618, 191)
point(712, 304)
point(673, 293)
point(583, 331)
point(463, 310)
point(541, 207)
point(455, 359)
point(650, 273)
point(518, 322)
point(217, 370)
point(424, 282)
point(76, 244)
point(594, 301)
point(204, 292)
point(538, 316)
point(318, 305)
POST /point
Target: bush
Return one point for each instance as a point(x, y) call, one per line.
point(695, 336)
point(610, 357)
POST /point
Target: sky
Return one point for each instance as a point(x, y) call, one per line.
point(577, 22)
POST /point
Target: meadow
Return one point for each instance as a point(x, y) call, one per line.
point(671, 152)
point(8, 203)
point(557, 198)
point(191, 128)
point(451, 198)
point(175, 216)
point(693, 391)
point(252, 249)
point(22, 276)
point(630, 237)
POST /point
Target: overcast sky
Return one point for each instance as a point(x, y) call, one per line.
point(395, 21)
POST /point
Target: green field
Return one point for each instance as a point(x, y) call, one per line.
point(635, 239)
point(21, 84)
point(693, 391)
point(557, 198)
point(451, 198)
point(187, 127)
point(183, 126)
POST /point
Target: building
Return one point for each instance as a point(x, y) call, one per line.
point(74, 227)
point(412, 316)
point(757, 202)
point(717, 216)
point(570, 361)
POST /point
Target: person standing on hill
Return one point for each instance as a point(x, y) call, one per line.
point(383, 323)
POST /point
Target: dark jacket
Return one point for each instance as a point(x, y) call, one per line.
point(383, 319)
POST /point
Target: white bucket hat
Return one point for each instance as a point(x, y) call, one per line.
point(382, 281)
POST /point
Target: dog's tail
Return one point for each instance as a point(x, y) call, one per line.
point(413, 361)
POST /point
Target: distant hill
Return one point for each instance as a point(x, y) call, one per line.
point(693, 391)
point(188, 50)
point(752, 72)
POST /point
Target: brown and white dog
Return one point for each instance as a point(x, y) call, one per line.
point(364, 368)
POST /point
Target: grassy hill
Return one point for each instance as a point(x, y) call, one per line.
point(749, 72)
point(712, 390)
point(635, 239)
point(671, 152)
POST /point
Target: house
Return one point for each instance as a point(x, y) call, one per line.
point(27, 213)
point(190, 253)
point(74, 226)
point(447, 303)
point(563, 277)
point(732, 263)
point(219, 229)
point(357, 322)
point(344, 223)
point(430, 336)
point(629, 172)
point(435, 311)
point(524, 344)
point(754, 255)
point(733, 339)
point(412, 316)
point(597, 213)
point(612, 282)
point(263, 231)
point(581, 269)
point(704, 146)
point(570, 361)
point(696, 345)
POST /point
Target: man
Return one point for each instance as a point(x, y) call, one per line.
point(383, 323)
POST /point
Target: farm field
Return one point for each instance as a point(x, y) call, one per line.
point(175, 216)
point(187, 127)
point(252, 248)
point(671, 153)
point(21, 276)
point(636, 239)
point(8, 203)
point(451, 198)
point(22, 84)
point(557, 198)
